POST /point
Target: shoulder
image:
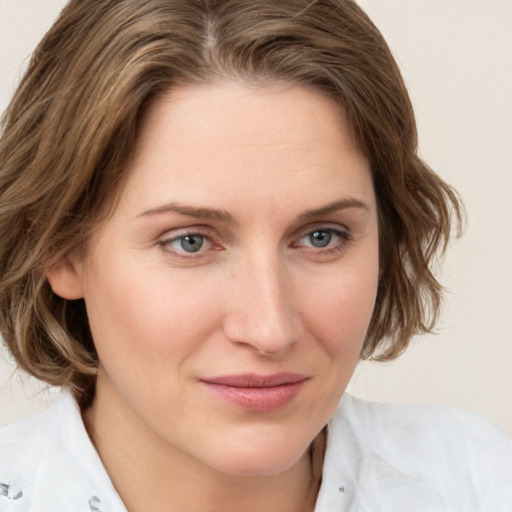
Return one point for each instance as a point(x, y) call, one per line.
point(436, 425)
point(443, 432)
point(25, 446)
point(48, 463)
point(447, 458)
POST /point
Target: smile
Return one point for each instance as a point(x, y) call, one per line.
point(257, 393)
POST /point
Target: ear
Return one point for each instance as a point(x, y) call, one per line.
point(65, 278)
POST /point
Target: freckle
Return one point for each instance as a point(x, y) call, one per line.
point(341, 489)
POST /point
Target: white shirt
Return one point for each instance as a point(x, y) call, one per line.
point(379, 457)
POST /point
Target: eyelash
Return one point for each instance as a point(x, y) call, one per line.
point(344, 238)
point(166, 245)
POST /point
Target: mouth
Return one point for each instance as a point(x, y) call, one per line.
point(257, 393)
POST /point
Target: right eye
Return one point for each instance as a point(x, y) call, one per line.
point(186, 244)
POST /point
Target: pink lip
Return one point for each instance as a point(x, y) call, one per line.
point(257, 393)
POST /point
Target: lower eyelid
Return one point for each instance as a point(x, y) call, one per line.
point(344, 237)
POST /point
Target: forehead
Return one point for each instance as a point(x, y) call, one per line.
point(252, 110)
point(226, 140)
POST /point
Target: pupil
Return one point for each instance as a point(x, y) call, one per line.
point(321, 238)
point(191, 243)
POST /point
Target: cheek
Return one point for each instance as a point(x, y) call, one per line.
point(340, 310)
point(141, 314)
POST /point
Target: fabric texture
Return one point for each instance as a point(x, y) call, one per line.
point(379, 457)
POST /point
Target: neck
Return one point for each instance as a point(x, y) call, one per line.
point(145, 469)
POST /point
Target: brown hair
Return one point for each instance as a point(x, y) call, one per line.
point(72, 124)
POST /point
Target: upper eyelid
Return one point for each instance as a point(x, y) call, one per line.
point(211, 235)
point(171, 234)
point(319, 226)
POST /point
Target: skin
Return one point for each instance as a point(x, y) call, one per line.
point(260, 296)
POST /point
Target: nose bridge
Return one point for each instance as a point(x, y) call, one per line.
point(263, 312)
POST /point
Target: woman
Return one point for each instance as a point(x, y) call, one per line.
point(238, 215)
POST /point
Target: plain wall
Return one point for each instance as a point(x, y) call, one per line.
point(456, 57)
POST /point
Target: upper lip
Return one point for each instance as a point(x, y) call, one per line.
point(252, 380)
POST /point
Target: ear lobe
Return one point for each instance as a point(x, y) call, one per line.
point(65, 279)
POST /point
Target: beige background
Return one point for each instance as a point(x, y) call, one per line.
point(456, 56)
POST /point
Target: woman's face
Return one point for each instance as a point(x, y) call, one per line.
point(230, 292)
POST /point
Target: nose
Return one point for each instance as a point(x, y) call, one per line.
point(263, 311)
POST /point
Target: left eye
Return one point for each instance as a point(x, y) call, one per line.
point(187, 243)
point(321, 238)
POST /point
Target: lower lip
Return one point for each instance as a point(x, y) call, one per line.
point(266, 399)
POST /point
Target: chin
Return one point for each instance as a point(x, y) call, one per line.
point(259, 461)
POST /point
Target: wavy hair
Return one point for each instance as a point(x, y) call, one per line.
point(72, 124)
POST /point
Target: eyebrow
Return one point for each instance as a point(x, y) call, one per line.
point(192, 211)
point(213, 214)
point(343, 204)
